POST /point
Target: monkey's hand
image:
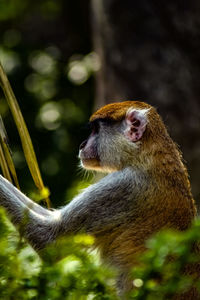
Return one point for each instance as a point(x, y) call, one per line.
point(23, 211)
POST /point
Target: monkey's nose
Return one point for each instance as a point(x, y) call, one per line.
point(83, 144)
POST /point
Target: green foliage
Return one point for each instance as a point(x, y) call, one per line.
point(161, 272)
point(67, 269)
point(10, 9)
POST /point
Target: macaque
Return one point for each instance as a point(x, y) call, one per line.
point(145, 190)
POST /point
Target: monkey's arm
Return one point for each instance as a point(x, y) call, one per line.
point(107, 203)
point(7, 189)
point(37, 222)
point(99, 207)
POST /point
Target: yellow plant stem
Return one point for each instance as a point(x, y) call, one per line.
point(7, 153)
point(4, 166)
point(23, 132)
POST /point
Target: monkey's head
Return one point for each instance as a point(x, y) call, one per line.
point(122, 134)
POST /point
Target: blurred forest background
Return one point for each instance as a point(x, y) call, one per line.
point(45, 49)
point(66, 58)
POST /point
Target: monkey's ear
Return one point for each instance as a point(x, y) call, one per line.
point(136, 121)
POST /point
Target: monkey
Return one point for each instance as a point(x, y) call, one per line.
point(145, 190)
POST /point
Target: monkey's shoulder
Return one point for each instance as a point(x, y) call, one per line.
point(126, 181)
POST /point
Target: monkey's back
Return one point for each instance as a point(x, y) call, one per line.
point(171, 206)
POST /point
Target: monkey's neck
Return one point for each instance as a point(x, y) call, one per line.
point(172, 176)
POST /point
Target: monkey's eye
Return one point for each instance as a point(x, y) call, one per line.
point(94, 126)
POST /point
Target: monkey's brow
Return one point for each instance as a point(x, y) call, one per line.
point(103, 120)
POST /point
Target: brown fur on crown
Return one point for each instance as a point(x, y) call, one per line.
point(155, 133)
point(116, 111)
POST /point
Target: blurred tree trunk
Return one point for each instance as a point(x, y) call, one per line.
point(149, 51)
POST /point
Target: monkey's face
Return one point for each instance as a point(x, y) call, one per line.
point(114, 143)
point(99, 148)
point(88, 150)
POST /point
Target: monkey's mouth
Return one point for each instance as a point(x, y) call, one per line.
point(89, 163)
